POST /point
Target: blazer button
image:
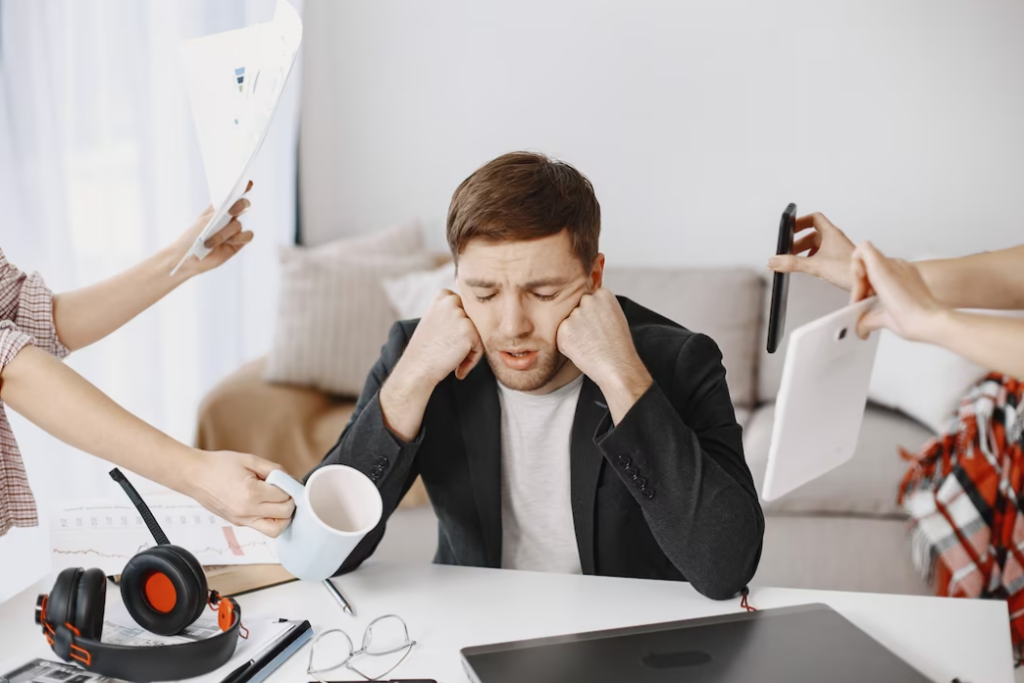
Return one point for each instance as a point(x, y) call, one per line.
point(382, 461)
point(641, 482)
point(632, 471)
point(376, 471)
point(647, 493)
point(625, 461)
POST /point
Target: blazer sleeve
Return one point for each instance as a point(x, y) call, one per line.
point(367, 445)
point(685, 450)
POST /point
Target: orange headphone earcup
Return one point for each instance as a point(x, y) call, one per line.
point(164, 589)
point(197, 572)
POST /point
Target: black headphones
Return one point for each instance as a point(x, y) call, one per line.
point(164, 590)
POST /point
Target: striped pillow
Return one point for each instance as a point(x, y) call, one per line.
point(334, 315)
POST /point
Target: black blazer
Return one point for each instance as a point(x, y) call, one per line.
point(666, 494)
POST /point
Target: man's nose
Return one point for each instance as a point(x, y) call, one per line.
point(515, 322)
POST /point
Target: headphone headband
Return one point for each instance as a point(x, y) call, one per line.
point(149, 663)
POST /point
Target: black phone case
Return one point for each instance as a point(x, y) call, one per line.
point(780, 281)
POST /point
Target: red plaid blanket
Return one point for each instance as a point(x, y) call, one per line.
point(964, 494)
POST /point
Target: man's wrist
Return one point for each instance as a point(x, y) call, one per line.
point(408, 382)
point(628, 380)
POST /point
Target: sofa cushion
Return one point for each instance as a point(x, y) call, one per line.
point(334, 315)
point(865, 485)
point(723, 303)
point(838, 554)
point(809, 299)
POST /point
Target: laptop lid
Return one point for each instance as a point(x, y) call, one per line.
point(805, 644)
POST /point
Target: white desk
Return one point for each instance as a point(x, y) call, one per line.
point(448, 608)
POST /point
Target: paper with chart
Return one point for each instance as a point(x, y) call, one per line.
point(234, 81)
point(107, 532)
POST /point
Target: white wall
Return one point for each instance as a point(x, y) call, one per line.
point(697, 122)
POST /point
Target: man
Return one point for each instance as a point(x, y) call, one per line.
point(598, 437)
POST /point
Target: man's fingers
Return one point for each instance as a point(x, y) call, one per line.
point(226, 233)
point(467, 365)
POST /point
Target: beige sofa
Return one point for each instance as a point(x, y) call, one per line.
point(843, 531)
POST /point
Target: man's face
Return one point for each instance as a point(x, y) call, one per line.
point(517, 294)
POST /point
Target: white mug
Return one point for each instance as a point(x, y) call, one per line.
point(336, 508)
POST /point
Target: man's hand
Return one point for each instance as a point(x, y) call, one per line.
point(225, 244)
point(829, 252)
point(231, 485)
point(907, 306)
point(445, 341)
point(596, 338)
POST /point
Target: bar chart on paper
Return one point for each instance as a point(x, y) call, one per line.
point(106, 533)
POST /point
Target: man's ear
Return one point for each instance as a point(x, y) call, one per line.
point(597, 273)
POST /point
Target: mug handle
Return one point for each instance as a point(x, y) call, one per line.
point(286, 483)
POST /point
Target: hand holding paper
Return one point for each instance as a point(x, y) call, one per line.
point(235, 80)
point(222, 245)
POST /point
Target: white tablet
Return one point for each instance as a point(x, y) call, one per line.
point(821, 402)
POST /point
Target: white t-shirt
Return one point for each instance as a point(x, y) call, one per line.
point(536, 509)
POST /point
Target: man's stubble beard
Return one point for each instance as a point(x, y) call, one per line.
point(549, 364)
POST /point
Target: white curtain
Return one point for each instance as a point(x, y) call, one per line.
point(100, 167)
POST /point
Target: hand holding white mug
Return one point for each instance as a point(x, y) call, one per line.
point(336, 508)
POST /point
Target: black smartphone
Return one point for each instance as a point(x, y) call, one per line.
point(780, 281)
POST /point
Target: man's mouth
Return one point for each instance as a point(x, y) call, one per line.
point(518, 360)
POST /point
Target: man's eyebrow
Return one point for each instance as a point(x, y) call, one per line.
point(545, 282)
point(532, 284)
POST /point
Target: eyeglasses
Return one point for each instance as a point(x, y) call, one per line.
point(333, 649)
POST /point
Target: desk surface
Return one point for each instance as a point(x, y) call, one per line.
point(448, 608)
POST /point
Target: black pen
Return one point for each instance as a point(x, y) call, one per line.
point(237, 672)
point(271, 658)
point(240, 671)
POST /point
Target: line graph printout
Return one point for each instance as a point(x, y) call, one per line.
point(106, 533)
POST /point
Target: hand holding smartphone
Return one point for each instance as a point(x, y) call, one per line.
point(780, 281)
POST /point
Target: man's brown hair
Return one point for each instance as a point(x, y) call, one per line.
point(525, 196)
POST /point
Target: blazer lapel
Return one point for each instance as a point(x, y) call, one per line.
point(585, 461)
point(476, 397)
